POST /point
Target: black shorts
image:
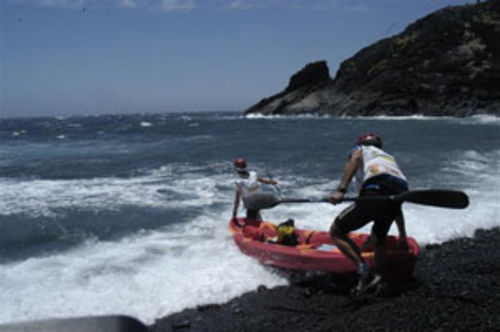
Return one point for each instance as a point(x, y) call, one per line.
point(382, 213)
point(253, 214)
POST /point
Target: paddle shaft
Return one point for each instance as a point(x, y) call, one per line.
point(344, 199)
point(327, 199)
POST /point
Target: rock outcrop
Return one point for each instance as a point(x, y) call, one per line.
point(313, 77)
point(447, 63)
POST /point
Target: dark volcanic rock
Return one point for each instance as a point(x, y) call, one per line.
point(456, 288)
point(314, 76)
point(447, 63)
point(312, 73)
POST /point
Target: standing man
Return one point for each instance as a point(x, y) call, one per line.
point(247, 184)
point(377, 174)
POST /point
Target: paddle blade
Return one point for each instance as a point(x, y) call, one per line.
point(261, 201)
point(442, 198)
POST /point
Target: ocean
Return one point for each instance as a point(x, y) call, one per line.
point(128, 214)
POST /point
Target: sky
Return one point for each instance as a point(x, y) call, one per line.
point(87, 57)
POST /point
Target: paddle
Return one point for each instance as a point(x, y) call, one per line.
point(435, 197)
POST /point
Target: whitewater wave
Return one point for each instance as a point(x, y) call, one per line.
point(50, 198)
point(284, 116)
point(473, 119)
point(147, 275)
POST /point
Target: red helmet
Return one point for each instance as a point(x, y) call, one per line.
point(240, 164)
point(369, 139)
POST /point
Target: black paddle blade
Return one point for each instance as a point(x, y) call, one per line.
point(437, 197)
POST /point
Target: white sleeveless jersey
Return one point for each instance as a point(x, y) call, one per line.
point(376, 162)
point(248, 185)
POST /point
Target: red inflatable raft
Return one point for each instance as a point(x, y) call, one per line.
point(316, 250)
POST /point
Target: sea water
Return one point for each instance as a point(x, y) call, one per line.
point(128, 214)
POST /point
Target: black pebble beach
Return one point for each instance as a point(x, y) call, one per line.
point(456, 287)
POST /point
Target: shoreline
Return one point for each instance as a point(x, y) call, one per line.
point(455, 287)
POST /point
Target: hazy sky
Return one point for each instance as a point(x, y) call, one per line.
point(61, 57)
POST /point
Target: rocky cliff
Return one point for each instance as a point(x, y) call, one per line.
point(447, 63)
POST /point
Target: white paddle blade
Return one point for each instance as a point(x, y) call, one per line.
point(261, 201)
